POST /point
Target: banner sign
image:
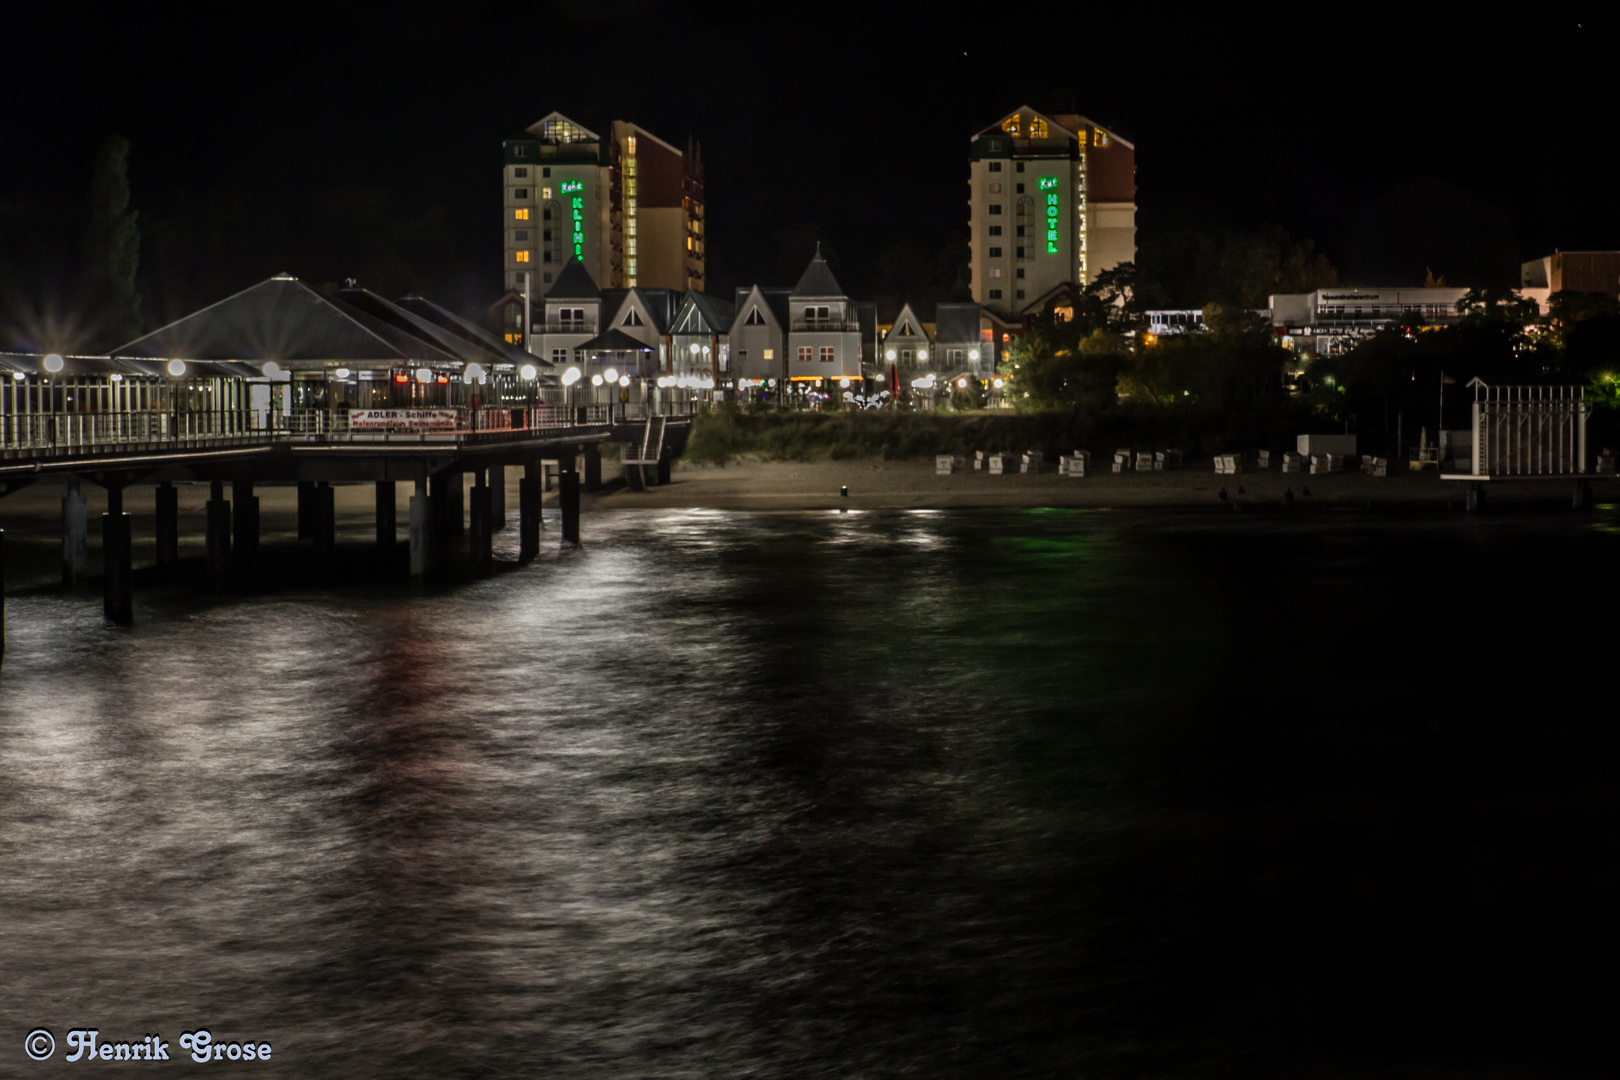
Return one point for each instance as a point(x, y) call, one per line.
point(404, 419)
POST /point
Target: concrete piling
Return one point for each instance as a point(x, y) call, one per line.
point(245, 525)
point(479, 535)
point(324, 514)
point(593, 468)
point(74, 527)
point(306, 511)
point(168, 524)
point(497, 498)
point(568, 501)
point(529, 512)
point(386, 524)
point(117, 601)
point(2, 597)
point(456, 508)
point(423, 531)
point(217, 538)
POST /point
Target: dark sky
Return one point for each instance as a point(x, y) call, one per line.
point(332, 140)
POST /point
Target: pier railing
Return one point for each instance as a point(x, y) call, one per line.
point(36, 435)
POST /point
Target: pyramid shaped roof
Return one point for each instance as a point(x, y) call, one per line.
point(574, 283)
point(817, 279)
point(285, 320)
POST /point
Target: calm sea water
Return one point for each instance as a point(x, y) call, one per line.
point(921, 794)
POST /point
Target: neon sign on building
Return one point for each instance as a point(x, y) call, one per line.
point(576, 207)
point(1049, 188)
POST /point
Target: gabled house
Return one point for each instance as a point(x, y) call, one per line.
point(962, 346)
point(697, 339)
point(824, 329)
point(908, 344)
point(571, 316)
point(756, 344)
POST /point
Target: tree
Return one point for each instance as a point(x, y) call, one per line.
point(1192, 268)
point(112, 247)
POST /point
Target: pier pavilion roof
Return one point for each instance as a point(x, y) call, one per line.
point(284, 320)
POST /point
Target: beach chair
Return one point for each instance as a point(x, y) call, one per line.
point(1031, 462)
point(1263, 459)
point(1290, 462)
point(945, 464)
point(1144, 461)
point(1122, 460)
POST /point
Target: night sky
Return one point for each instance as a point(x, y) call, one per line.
point(333, 141)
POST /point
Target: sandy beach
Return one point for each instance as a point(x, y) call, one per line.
point(31, 517)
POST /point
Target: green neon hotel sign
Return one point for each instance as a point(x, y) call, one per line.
point(1049, 187)
point(577, 206)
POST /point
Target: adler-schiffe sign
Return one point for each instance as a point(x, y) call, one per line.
point(404, 419)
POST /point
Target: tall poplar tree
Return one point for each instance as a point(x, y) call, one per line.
point(112, 248)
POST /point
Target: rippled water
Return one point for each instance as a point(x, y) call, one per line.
point(928, 793)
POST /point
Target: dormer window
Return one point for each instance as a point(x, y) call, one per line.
point(632, 318)
point(755, 318)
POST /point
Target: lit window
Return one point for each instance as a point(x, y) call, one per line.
point(545, 193)
point(630, 144)
point(995, 271)
point(1037, 128)
point(1099, 137)
point(827, 354)
point(1011, 126)
point(769, 354)
point(521, 214)
point(806, 354)
point(688, 243)
point(995, 189)
point(521, 256)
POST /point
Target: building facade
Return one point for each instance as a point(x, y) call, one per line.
point(1578, 271)
point(629, 207)
point(1332, 321)
point(1053, 201)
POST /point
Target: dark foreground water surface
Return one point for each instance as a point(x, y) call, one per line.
point(931, 794)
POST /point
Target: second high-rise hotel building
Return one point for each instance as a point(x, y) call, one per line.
point(1053, 203)
point(629, 207)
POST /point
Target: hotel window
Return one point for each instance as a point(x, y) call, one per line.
point(995, 189)
point(546, 213)
point(521, 214)
point(995, 271)
point(1020, 230)
point(1020, 189)
point(1020, 271)
point(995, 230)
point(546, 258)
point(827, 354)
point(521, 256)
point(1020, 166)
point(1020, 294)
point(522, 234)
point(520, 172)
point(545, 234)
point(520, 193)
point(545, 193)
point(806, 354)
point(1020, 252)
point(995, 208)
point(995, 166)
point(548, 276)
point(995, 253)
point(520, 151)
point(545, 172)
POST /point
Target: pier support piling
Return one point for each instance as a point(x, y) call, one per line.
point(386, 523)
point(117, 602)
point(2, 597)
point(593, 468)
point(1475, 499)
point(217, 540)
point(306, 509)
point(529, 512)
point(1582, 499)
point(663, 467)
point(568, 501)
point(325, 524)
point(479, 535)
point(245, 525)
point(456, 510)
point(168, 524)
point(74, 528)
point(497, 498)
point(423, 531)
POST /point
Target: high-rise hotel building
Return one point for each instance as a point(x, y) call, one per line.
point(629, 207)
point(1053, 203)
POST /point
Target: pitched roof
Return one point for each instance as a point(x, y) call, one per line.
point(282, 319)
point(714, 313)
point(906, 324)
point(614, 340)
point(471, 331)
point(574, 283)
point(956, 321)
point(817, 279)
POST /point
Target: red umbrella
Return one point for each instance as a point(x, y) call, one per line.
point(894, 383)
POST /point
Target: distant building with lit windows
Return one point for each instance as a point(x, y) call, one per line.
point(1053, 202)
point(629, 207)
